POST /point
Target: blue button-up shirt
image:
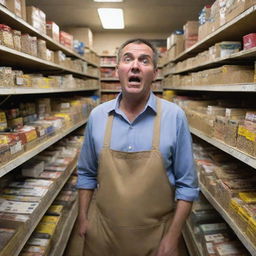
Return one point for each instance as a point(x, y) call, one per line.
point(175, 143)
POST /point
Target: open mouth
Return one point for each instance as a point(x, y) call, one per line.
point(134, 79)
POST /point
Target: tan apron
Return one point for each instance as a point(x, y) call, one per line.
point(134, 202)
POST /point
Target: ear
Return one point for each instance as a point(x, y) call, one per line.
point(155, 73)
point(116, 71)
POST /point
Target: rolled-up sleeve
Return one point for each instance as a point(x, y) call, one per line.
point(186, 182)
point(87, 163)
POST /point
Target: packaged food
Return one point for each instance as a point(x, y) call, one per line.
point(41, 49)
point(34, 46)
point(249, 41)
point(6, 38)
point(6, 77)
point(226, 48)
point(26, 42)
point(66, 40)
point(36, 18)
point(52, 30)
point(16, 40)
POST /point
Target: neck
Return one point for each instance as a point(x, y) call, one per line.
point(132, 106)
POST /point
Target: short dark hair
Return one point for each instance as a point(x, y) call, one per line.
point(139, 41)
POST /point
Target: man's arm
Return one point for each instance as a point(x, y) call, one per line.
point(170, 242)
point(85, 196)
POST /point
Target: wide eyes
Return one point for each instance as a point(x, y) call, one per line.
point(143, 59)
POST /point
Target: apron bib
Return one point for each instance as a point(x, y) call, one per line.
point(133, 203)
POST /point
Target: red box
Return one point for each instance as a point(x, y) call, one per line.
point(66, 39)
point(249, 41)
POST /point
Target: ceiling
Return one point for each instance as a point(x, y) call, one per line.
point(141, 16)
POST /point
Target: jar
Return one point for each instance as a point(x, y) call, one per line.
point(41, 49)
point(6, 38)
point(16, 40)
point(34, 46)
point(26, 42)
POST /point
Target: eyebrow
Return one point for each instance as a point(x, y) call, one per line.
point(141, 56)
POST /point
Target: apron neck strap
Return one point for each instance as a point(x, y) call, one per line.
point(108, 132)
point(157, 122)
point(156, 131)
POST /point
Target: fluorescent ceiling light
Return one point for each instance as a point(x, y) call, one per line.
point(111, 18)
point(108, 1)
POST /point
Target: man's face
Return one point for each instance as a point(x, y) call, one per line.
point(135, 69)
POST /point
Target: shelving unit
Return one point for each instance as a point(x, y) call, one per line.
point(9, 166)
point(247, 159)
point(241, 25)
point(12, 20)
point(234, 30)
point(24, 90)
point(63, 232)
point(28, 63)
point(18, 241)
point(194, 248)
point(216, 88)
point(240, 234)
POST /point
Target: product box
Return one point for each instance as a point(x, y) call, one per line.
point(249, 41)
point(53, 30)
point(191, 29)
point(18, 7)
point(190, 42)
point(82, 34)
point(226, 48)
point(36, 18)
point(237, 8)
point(174, 39)
point(66, 39)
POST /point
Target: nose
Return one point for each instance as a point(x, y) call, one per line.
point(135, 66)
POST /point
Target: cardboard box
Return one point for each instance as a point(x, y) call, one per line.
point(16, 6)
point(249, 41)
point(53, 30)
point(237, 8)
point(66, 39)
point(3, 2)
point(82, 34)
point(191, 29)
point(174, 39)
point(36, 18)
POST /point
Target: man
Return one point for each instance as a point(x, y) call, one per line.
point(137, 153)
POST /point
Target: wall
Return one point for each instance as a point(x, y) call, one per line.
point(111, 41)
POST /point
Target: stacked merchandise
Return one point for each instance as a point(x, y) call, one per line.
point(213, 236)
point(108, 73)
point(234, 190)
point(21, 198)
point(225, 75)
point(16, 78)
point(107, 60)
point(29, 124)
point(234, 125)
point(221, 12)
point(110, 86)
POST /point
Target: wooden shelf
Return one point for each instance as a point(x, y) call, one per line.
point(194, 248)
point(237, 58)
point(22, 237)
point(240, 234)
point(64, 230)
point(215, 88)
point(105, 79)
point(9, 18)
point(108, 65)
point(19, 59)
point(7, 167)
point(117, 91)
point(24, 90)
point(233, 30)
point(249, 160)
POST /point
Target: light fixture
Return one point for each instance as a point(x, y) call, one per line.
point(108, 1)
point(111, 18)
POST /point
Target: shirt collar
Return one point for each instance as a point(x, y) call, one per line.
point(151, 103)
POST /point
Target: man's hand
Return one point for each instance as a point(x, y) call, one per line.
point(83, 224)
point(168, 247)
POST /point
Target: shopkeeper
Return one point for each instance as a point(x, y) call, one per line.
point(138, 154)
